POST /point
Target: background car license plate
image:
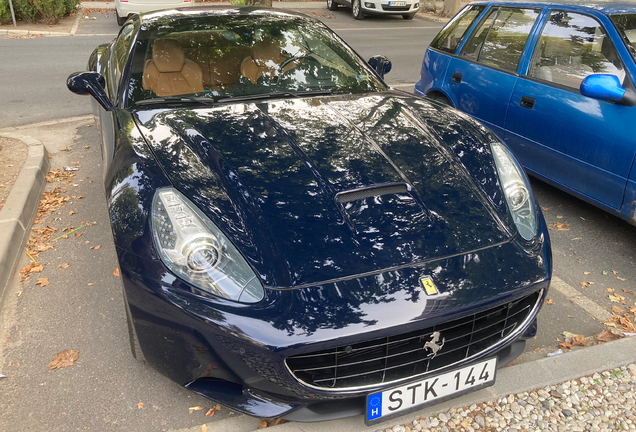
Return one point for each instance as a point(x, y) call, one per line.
point(397, 3)
point(434, 389)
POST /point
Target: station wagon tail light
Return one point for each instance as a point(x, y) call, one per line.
point(194, 248)
point(517, 191)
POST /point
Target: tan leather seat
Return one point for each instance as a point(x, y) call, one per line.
point(265, 60)
point(169, 73)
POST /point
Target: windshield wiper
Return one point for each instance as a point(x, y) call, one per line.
point(276, 95)
point(179, 99)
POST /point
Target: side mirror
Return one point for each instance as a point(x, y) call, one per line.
point(380, 64)
point(92, 83)
point(607, 87)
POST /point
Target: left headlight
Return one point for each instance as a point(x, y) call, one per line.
point(517, 191)
point(197, 251)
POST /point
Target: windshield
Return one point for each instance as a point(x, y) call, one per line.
point(626, 26)
point(234, 54)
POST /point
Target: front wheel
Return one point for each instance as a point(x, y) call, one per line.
point(408, 16)
point(332, 5)
point(356, 9)
point(120, 20)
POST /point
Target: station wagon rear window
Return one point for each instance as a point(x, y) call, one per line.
point(455, 31)
point(499, 40)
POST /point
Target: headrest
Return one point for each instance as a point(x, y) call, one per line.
point(167, 55)
point(266, 51)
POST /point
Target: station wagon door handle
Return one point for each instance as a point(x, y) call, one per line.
point(527, 102)
point(457, 77)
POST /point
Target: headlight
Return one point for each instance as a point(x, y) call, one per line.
point(517, 191)
point(196, 250)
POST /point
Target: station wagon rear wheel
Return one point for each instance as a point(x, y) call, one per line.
point(439, 98)
point(332, 5)
point(356, 9)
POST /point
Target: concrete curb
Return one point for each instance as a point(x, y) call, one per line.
point(510, 380)
point(20, 209)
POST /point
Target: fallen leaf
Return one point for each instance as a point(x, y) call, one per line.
point(72, 212)
point(614, 299)
point(617, 309)
point(559, 217)
point(96, 247)
point(64, 359)
point(64, 149)
point(140, 405)
point(545, 209)
point(615, 272)
point(262, 424)
point(628, 291)
point(196, 408)
point(604, 272)
point(204, 428)
point(87, 147)
point(42, 282)
point(116, 271)
point(64, 265)
point(620, 278)
point(610, 290)
point(91, 284)
point(586, 273)
point(607, 336)
point(548, 301)
point(78, 234)
point(210, 412)
point(570, 316)
point(217, 407)
point(567, 334)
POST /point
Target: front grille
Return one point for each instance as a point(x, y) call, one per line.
point(396, 8)
point(397, 357)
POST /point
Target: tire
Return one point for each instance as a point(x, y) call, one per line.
point(408, 16)
point(440, 98)
point(120, 20)
point(332, 5)
point(135, 347)
point(356, 10)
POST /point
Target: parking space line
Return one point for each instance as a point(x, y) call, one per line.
point(581, 300)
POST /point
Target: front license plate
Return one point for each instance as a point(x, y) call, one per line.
point(397, 3)
point(430, 390)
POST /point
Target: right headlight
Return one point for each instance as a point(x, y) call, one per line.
point(517, 191)
point(196, 250)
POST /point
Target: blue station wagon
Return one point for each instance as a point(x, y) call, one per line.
point(555, 81)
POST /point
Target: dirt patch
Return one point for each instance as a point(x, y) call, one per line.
point(13, 153)
point(63, 26)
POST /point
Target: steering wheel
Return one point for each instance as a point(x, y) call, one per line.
point(282, 66)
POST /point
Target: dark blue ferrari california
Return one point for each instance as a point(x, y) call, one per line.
point(296, 239)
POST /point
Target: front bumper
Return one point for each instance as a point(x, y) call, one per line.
point(235, 354)
point(382, 7)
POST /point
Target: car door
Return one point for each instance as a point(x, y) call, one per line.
point(117, 59)
point(480, 80)
point(583, 143)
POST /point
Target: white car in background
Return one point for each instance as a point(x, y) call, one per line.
point(360, 8)
point(126, 8)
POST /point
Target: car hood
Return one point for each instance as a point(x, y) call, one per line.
point(275, 177)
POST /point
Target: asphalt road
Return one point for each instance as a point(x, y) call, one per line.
point(82, 308)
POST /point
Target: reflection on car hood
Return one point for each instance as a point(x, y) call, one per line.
point(268, 173)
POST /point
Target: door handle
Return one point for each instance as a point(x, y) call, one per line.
point(457, 77)
point(527, 102)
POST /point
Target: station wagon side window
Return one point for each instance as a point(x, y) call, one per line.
point(571, 47)
point(499, 40)
point(455, 31)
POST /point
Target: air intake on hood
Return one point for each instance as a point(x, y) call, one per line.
point(373, 190)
